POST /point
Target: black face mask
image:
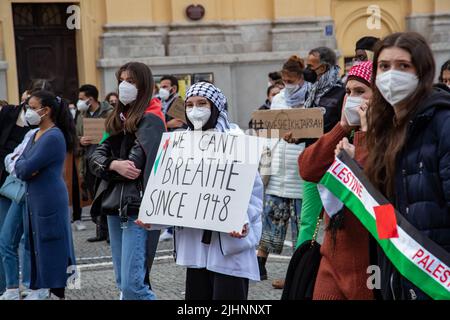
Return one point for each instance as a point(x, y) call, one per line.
point(310, 75)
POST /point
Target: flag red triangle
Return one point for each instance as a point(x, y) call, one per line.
point(386, 221)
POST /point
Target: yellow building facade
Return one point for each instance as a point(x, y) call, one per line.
point(238, 41)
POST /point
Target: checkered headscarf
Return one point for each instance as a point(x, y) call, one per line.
point(362, 70)
point(217, 98)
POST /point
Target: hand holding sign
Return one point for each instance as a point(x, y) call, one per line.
point(202, 180)
point(288, 137)
point(146, 226)
point(86, 141)
point(243, 233)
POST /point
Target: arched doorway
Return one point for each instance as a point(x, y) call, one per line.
point(357, 24)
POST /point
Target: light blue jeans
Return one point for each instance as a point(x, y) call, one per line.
point(11, 236)
point(24, 250)
point(130, 258)
point(4, 207)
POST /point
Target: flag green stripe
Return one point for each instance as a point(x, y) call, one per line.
point(404, 265)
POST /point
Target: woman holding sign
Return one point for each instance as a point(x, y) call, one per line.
point(409, 149)
point(284, 190)
point(342, 273)
point(123, 162)
point(219, 265)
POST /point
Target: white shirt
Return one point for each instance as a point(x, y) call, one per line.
point(225, 254)
point(11, 159)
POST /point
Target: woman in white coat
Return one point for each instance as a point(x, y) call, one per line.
point(284, 191)
point(219, 265)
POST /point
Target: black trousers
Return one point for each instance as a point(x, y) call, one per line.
point(202, 284)
point(76, 203)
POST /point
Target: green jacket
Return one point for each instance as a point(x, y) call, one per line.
point(311, 210)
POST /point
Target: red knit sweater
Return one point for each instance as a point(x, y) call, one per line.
point(343, 268)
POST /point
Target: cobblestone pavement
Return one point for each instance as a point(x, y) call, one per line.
point(97, 275)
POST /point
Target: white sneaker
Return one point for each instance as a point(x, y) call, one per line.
point(165, 236)
point(40, 294)
point(79, 225)
point(10, 294)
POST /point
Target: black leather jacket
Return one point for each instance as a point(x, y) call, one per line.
point(140, 147)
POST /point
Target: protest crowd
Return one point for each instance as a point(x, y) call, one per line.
point(371, 189)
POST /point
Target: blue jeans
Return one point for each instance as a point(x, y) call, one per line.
point(24, 250)
point(10, 238)
point(130, 255)
point(4, 207)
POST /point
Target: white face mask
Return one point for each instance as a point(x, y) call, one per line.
point(291, 88)
point(198, 116)
point(164, 94)
point(73, 112)
point(32, 117)
point(127, 93)
point(82, 105)
point(395, 86)
point(351, 108)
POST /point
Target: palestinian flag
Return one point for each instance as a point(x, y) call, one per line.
point(415, 256)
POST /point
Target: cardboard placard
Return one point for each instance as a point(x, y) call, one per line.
point(303, 123)
point(202, 180)
point(177, 110)
point(94, 128)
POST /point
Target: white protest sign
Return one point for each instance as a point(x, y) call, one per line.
point(202, 180)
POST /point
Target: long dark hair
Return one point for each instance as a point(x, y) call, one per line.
point(386, 133)
point(143, 77)
point(60, 116)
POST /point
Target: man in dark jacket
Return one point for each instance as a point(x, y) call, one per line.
point(328, 91)
point(168, 93)
point(89, 107)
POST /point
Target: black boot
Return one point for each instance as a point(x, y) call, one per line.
point(100, 232)
point(262, 268)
